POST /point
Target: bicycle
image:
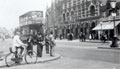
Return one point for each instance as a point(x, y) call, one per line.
point(29, 57)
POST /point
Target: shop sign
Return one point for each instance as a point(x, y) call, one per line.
point(110, 18)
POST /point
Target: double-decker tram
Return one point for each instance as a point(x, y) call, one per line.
point(31, 23)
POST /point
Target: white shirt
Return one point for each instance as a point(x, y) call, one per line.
point(53, 40)
point(52, 37)
point(16, 41)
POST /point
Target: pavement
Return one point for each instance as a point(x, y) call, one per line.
point(77, 40)
point(76, 55)
point(89, 44)
point(44, 58)
point(4, 50)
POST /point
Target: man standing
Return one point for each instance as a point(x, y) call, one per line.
point(52, 44)
point(40, 41)
point(47, 44)
point(84, 37)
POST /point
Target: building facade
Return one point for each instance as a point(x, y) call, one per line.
point(81, 16)
point(110, 21)
point(76, 16)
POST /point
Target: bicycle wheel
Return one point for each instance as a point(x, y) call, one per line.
point(31, 57)
point(9, 59)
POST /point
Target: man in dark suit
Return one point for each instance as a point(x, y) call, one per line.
point(40, 42)
point(47, 44)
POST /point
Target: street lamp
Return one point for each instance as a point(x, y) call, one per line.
point(101, 27)
point(113, 5)
point(115, 39)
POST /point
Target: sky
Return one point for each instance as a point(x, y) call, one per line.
point(10, 10)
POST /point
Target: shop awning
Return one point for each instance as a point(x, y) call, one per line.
point(106, 25)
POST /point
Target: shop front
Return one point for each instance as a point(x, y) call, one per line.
point(87, 24)
point(107, 28)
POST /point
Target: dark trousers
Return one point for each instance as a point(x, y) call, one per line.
point(16, 54)
point(47, 48)
point(30, 47)
point(21, 49)
point(39, 50)
point(83, 38)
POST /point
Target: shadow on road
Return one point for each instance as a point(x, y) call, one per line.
point(4, 66)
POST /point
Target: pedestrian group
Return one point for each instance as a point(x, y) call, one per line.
point(42, 40)
point(38, 40)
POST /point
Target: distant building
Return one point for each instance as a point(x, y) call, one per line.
point(54, 18)
point(31, 22)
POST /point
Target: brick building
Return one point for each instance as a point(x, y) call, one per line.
point(81, 16)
